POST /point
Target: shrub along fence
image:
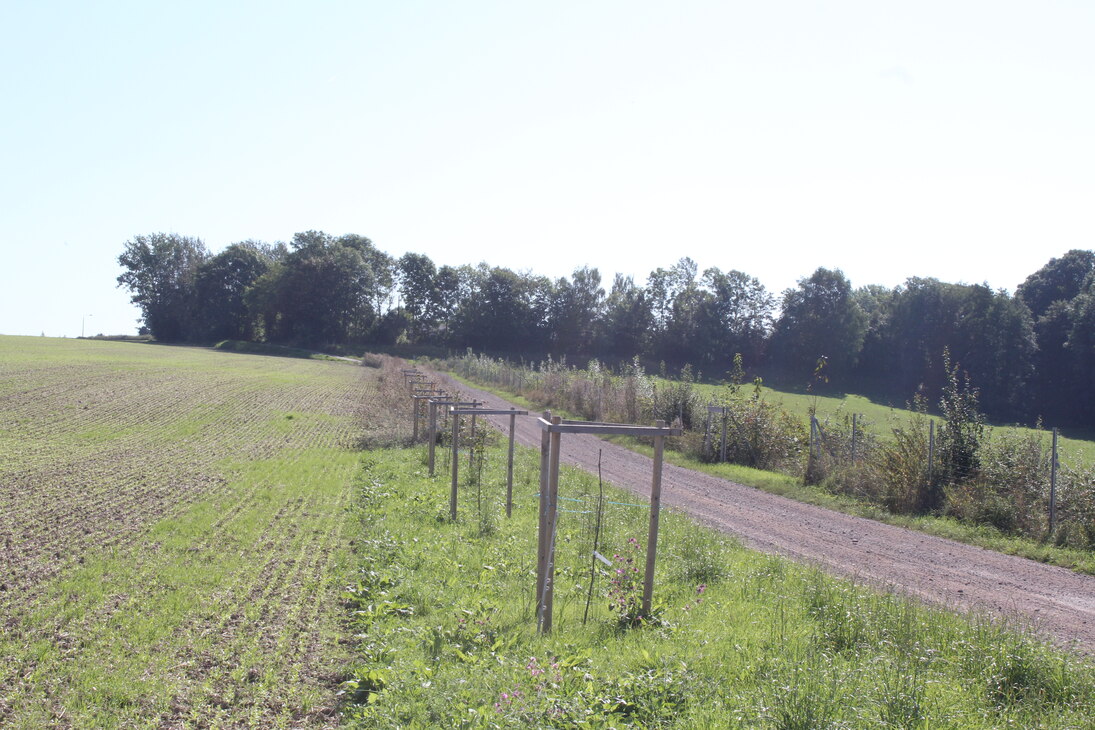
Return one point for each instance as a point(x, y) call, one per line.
point(1003, 478)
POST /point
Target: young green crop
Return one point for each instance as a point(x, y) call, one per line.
point(175, 529)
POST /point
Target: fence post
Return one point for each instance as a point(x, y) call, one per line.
point(931, 450)
point(1053, 486)
point(509, 465)
point(471, 441)
point(432, 433)
point(541, 548)
point(655, 510)
point(811, 458)
point(553, 495)
point(455, 464)
point(722, 443)
point(853, 437)
point(707, 433)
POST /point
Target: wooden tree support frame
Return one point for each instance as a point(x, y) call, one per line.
point(417, 380)
point(724, 411)
point(419, 395)
point(552, 430)
point(456, 411)
point(431, 434)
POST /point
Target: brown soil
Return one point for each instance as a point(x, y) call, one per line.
point(1053, 602)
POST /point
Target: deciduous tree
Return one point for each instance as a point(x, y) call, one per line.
point(1062, 279)
point(818, 319)
point(221, 286)
point(160, 269)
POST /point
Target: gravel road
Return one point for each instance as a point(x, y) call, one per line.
point(1054, 602)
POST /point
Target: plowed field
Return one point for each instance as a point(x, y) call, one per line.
point(173, 523)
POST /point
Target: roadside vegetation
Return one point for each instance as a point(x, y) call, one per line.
point(445, 620)
point(986, 486)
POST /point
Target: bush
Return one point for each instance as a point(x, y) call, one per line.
point(903, 466)
point(758, 434)
point(960, 436)
point(1076, 507)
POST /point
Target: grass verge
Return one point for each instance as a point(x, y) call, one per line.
point(444, 618)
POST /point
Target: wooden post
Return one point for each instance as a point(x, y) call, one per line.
point(722, 444)
point(509, 464)
point(652, 535)
point(811, 455)
point(420, 394)
point(471, 442)
point(553, 497)
point(541, 547)
point(455, 465)
point(432, 434)
point(707, 434)
point(1053, 486)
point(931, 450)
point(853, 438)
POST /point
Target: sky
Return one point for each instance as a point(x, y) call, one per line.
point(887, 139)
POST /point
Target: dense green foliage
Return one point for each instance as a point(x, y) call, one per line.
point(1029, 355)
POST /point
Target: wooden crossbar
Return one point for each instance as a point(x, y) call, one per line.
point(434, 402)
point(456, 412)
point(608, 428)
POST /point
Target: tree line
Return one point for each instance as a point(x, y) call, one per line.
point(1030, 354)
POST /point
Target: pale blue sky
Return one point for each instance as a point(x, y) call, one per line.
point(948, 139)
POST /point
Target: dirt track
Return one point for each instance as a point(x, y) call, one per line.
point(1054, 601)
